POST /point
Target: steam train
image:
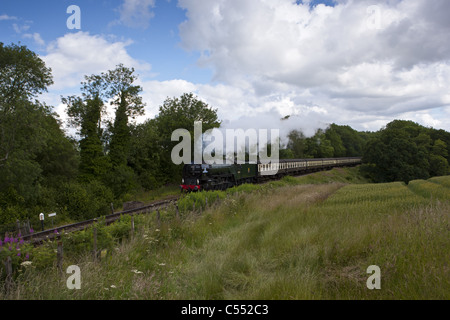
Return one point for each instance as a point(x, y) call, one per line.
point(199, 177)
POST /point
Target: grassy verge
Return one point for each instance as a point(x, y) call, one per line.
point(282, 240)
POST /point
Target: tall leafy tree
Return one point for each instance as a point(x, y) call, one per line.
point(297, 143)
point(128, 104)
point(181, 113)
point(86, 114)
point(23, 75)
point(35, 154)
point(145, 154)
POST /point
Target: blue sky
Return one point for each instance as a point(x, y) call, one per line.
point(361, 63)
point(157, 42)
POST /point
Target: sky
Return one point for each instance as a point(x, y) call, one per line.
point(358, 63)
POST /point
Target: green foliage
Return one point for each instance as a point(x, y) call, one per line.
point(16, 249)
point(405, 151)
point(23, 75)
point(128, 104)
point(120, 229)
point(34, 151)
point(86, 114)
point(79, 243)
point(181, 113)
point(81, 201)
point(197, 200)
point(145, 154)
point(43, 257)
point(302, 242)
point(335, 141)
point(121, 180)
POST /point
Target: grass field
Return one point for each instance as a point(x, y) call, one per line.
point(311, 237)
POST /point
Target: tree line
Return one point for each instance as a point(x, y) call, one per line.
point(42, 169)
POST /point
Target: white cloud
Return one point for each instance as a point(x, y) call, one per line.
point(36, 37)
point(136, 13)
point(6, 17)
point(20, 28)
point(296, 59)
point(75, 55)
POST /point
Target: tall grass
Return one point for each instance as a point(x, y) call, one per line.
point(282, 240)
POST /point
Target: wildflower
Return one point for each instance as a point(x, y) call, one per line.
point(27, 256)
point(26, 263)
point(31, 230)
point(6, 239)
point(113, 286)
point(136, 271)
point(18, 254)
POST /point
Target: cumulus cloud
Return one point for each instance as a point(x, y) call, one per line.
point(358, 62)
point(75, 55)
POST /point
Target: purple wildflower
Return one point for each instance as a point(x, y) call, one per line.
point(18, 254)
point(31, 230)
point(21, 241)
point(27, 256)
point(6, 239)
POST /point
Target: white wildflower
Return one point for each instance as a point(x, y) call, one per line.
point(136, 271)
point(26, 263)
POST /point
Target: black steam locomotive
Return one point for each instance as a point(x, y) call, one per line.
point(198, 177)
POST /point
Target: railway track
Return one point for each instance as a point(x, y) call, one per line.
point(54, 233)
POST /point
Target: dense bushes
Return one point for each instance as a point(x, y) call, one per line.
point(84, 201)
point(406, 151)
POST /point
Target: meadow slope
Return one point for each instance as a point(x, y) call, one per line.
point(310, 237)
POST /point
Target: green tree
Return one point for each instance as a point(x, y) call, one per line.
point(181, 113)
point(85, 113)
point(145, 155)
point(438, 159)
point(404, 151)
point(23, 75)
point(319, 146)
point(297, 143)
point(36, 156)
point(336, 143)
point(128, 104)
